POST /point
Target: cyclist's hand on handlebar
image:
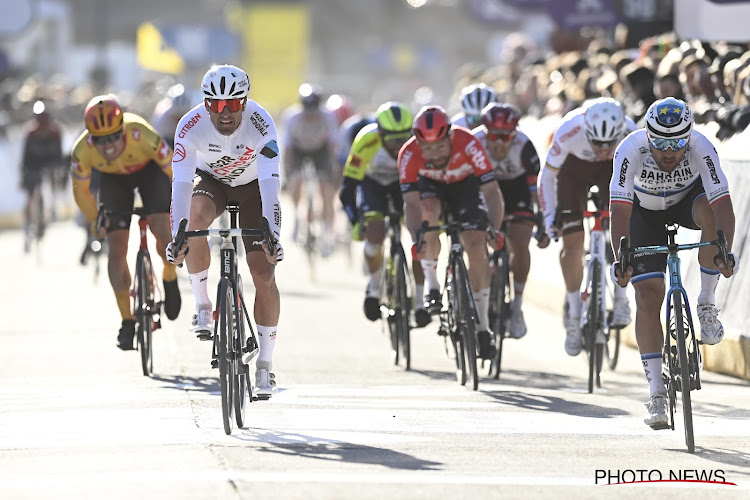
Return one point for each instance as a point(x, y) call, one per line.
point(617, 277)
point(499, 241)
point(278, 254)
point(97, 234)
point(415, 252)
point(177, 255)
point(732, 268)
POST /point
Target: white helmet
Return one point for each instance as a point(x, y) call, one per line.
point(669, 118)
point(225, 82)
point(605, 120)
point(475, 97)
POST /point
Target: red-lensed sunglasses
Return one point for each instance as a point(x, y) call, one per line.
point(500, 136)
point(217, 105)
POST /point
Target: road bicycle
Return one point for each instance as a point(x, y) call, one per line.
point(148, 298)
point(395, 290)
point(458, 319)
point(681, 361)
point(234, 341)
point(501, 289)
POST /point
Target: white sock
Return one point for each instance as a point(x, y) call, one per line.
point(574, 304)
point(266, 343)
point(709, 280)
point(199, 284)
point(482, 303)
point(621, 293)
point(518, 287)
point(376, 278)
point(430, 274)
point(418, 295)
point(652, 367)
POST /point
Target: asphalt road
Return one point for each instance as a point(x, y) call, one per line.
point(78, 420)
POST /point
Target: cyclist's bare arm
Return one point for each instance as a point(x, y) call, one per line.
point(412, 212)
point(495, 203)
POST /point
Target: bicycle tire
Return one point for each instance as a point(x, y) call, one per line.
point(144, 304)
point(402, 308)
point(687, 408)
point(466, 322)
point(612, 348)
point(225, 304)
point(499, 310)
point(241, 371)
point(592, 324)
point(387, 300)
point(451, 321)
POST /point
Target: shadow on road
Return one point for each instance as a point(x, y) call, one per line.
point(301, 445)
point(554, 404)
point(725, 456)
point(208, 385)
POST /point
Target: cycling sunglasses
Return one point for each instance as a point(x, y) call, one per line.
point(102, 140)
point(500, 136)
point(217, 105)
point(602, 144)
point(664, 144)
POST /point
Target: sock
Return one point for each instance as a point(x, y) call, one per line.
point(266, 343)
point(373, 288)
point(199, 284)
point(518, 287)
point(652, 367)
point(621, 293)
point(574, 304)
point(430, 274)
point(170, 272)
point(123, 303)
point(482, 303)
point(709, 280)
point(418, 295)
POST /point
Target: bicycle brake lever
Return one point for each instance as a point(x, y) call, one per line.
point(268, 236)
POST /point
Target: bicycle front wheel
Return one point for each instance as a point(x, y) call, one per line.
point(687, 408)
point(402, 308)
point(499, 309)
point(224, 349)
point(465, 321)
point(591, 329)
point(241, 370)
point(144, 310)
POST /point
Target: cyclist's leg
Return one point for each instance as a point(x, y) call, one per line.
point(324, 162)
point(155, 191)
point(294, 165)
point(431, 204)
point(373, 204)
point(518, 202)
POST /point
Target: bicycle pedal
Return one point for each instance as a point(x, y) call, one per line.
point(214, 363)
point(660, 427)
point(205, 336)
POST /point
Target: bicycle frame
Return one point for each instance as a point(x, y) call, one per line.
point(596, 254)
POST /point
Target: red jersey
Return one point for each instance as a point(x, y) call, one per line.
point(468, 157)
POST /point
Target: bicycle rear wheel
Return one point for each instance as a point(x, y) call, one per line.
point(687, 409)
point(402, 308)
point(241, 370)
point(499, 310)
point(144, 309)
point(226, 365)
point(465, 322)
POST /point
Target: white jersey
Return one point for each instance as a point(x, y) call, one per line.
point(459, 120)
point(522, 158)
point(570, 139)
point(637, 174)
point(309, 131)
point(250, 153)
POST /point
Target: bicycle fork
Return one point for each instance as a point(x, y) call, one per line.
point(596, 254)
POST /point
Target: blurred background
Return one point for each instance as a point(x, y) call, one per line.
point(545, 56)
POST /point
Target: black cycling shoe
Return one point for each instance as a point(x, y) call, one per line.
point(125, 337)
point(422, 318)
point(372, 308)
point(433, 302)
point(486, 347)
point(172, 299)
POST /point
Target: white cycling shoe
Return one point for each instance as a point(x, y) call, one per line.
point(712, 331)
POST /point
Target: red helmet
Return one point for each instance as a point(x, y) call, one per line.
point(431, 124)
point(103, 115)
point(500, 116)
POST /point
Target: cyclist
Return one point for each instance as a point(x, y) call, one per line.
point(447, 164)
point(474, 99)
point(370, 180)
point(310, 133)
point(42, 155)
point(128, 154)
point(516, 165)
point(230, 142)
point(581, 156)
point(668, 172)
point(169, 110)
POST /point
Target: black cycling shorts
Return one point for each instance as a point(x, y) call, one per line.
point(463, 199)
point(322, 160)
point(517, 196)
point(373, 197)
point(647, 228)
point(117, 192)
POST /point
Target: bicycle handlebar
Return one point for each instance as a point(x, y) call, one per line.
point(626, 253)
point(264, 232)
